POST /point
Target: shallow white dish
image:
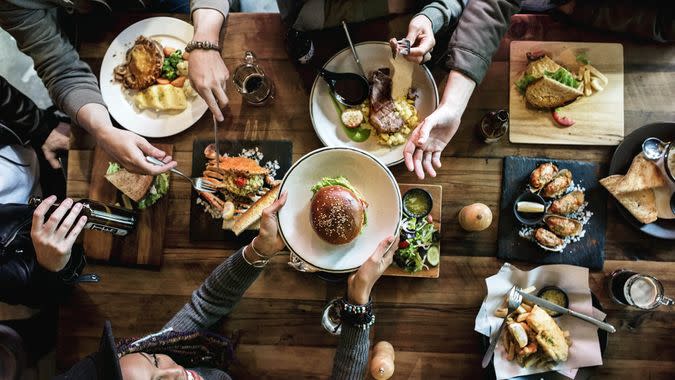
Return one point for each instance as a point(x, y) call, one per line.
point(370, 176)
point(373, 55)
point(167, 31)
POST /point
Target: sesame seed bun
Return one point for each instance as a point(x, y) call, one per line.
point(337, 214)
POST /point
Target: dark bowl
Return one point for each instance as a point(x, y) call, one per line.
point(529, 218)
point(565, 304)
point(423, 193)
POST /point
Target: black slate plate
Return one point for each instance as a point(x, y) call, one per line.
point(623, 157)
point(582, 374)
point(588, 252)
point(202, 226)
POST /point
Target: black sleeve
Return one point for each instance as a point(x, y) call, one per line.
point(21, 121)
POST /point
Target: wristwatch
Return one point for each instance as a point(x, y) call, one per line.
point(203, 45)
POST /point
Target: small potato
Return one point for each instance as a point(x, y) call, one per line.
point(501, 312)
point(598, 75)
point(520, 310)
point(527, 307)
point(595, 84)
point(522, 317)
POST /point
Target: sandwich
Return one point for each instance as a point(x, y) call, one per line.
point(239, 176)
point(337, 210)
point(143, 189)
point(546, 84)
point(550, 337)
point(641, 204)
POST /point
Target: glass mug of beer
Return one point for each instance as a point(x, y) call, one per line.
point(634, 289)
point(251, 82)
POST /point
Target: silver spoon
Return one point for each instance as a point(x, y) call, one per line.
point(654, 148)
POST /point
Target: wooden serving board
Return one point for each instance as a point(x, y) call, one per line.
point(599, 117)
point(145, 244)
point(436, 192)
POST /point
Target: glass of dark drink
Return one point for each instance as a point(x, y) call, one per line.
point(634, 289)
point(251, 82)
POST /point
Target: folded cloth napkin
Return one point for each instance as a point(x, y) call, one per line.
point(585, 348)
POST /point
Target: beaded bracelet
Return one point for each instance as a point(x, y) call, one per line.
point(360, 316)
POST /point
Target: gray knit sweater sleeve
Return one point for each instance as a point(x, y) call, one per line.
point(351, 357)
point(217, 296)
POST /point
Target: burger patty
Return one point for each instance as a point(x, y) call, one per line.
point(337, 214)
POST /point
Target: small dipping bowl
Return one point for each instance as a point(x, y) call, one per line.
point(555, 295)
point(529, 218)
point(417, 203)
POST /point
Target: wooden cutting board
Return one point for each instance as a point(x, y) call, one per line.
point(436, 192)
point(599, 117)
point(144, 245)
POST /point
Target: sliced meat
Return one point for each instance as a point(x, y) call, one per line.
point(383, 115)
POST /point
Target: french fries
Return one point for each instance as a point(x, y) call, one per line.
point(591, 80)
point(526, 353)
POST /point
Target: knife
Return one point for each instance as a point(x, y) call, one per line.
point(551, 306)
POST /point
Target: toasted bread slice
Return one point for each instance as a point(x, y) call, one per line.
point(549, 335)
point(642, 174)
point(239, 165)
point(641, 204)
point(537, 68)
point(135, 186)
point(549, 93)
point(254, 212)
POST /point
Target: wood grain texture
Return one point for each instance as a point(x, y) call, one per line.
point(429, 321)
point(598, 118)
point(436, 193)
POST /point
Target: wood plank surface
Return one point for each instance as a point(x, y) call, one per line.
point(598, 118)
point(429, 321)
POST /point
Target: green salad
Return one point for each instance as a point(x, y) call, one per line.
point(563, 76)
point(170, 65)
point(418, 248)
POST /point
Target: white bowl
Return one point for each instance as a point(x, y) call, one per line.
point(370, 176)
point(373, 55)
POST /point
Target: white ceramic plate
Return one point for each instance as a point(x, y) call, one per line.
point(373, 55)
point(167, 31)
point(370, 176)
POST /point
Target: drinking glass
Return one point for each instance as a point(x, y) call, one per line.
point(634, 289)
point(251, 82)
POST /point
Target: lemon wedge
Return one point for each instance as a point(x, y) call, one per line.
point(532, 207)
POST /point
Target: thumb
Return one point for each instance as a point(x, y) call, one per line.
point(51, 158)
point(424, 130)
point(276, 206)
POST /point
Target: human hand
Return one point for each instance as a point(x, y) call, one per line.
point(361, 282)
point(423, 150)
point(58, 139)
point(53, 240)
point(129, 150)
point(421, 37)
point(268, 242)
point(208, 75)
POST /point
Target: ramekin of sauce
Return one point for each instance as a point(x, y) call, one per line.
point(417, 203)
point(555, 295)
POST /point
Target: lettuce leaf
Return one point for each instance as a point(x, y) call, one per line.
point(563, 76)
point(113, 167)
point(525, 81)
point(159, 188)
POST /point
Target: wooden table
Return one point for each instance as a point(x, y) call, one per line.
point(429, 321)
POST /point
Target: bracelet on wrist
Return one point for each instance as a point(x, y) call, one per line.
point(260, 263)
point(201, 45)
point(360, 316)
point(263, 257)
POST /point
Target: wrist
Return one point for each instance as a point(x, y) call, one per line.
point(262, 248)
point(358, 296)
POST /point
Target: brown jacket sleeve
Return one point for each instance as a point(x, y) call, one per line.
point(477, 36)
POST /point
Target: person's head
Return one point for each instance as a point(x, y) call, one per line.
point(143, 366)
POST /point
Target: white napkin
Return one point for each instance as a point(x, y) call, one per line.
point(585, 348)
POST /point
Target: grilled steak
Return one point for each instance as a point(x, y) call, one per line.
point(383, 115)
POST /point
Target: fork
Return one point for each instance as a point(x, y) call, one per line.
point(514, 300)
point(198, 183)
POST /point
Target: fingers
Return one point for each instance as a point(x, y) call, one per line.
point(221, 97)
point(276, 206)
point(381, 249)
point(148, 149)
point(52, 159)
point(408, 153)
point(69, 220)
point(419, 171)
point(427, 164)
point(436, 159)
point(41, 210)
point(75, 232)
point(57, 215)
point(426, 43)
point(424, 130)
point(210, 100)
point(389, 254)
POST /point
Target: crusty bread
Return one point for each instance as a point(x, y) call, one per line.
point(134, 186)
point(642, 175)
point(641, 204)
point(537, 68)
point(549, 93)
point(254, 212)
point(549, 335)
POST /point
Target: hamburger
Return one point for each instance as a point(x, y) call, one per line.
point(546, 84)
point(337, 211)
point(143, 189)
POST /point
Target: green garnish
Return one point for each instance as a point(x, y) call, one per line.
point(169, 66)
point(160, 186)
point(563, 76)
point(583, 58)
point(113, 167)
point(525, 81)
